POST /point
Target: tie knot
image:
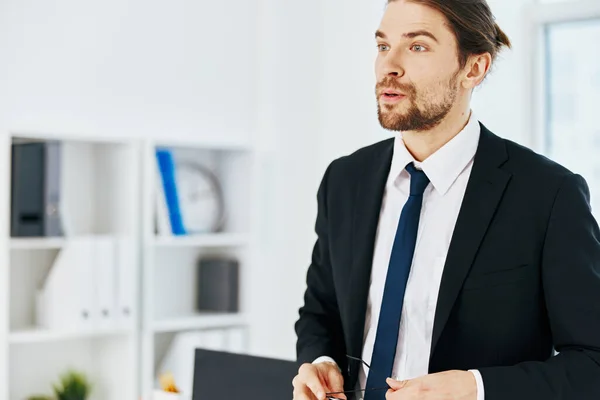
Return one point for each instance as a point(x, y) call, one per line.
point(418, 180)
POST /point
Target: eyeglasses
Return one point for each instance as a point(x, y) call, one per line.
point(331, 396)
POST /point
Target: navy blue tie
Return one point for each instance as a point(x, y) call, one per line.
point(401, 258)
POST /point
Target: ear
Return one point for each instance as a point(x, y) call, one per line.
point(476, 69)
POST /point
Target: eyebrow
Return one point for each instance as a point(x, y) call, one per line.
point(409, 35)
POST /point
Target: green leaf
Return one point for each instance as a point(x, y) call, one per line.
point(73, 385)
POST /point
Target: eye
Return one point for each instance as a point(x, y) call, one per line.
point(418, 48)
point(383, 47)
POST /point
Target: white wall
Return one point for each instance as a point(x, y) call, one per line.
point(288, 131)
point(502, 101)
point(128, 67)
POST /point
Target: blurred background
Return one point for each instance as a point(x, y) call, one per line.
point(161, 161)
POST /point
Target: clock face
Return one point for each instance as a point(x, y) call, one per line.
point(199, 198)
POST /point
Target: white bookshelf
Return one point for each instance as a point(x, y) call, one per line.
point(99, 199)
point(108, 187)
point(39, 335)
point(207, 240)
point(36, 243)
point(199, 322)
point(107, 360)
point(170, 265)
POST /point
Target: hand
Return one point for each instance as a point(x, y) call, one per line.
point(455, 385)
point(314, 380)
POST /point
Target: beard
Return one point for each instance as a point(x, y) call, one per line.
point(415, 118)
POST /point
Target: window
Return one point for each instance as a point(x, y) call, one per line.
point(573, 99)
point(565, 78)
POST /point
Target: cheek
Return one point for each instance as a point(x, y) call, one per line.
point(430, 85)
point(430, 90)
point(428, 68)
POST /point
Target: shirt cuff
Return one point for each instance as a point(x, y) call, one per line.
point(479, 380)
point(328, 359)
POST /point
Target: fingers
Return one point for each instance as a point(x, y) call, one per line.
point(394, 384)
point(303, 393)
point(308, 381)
point(336, 382)
point(311, 378)
point(390, 394)
point(395, 392)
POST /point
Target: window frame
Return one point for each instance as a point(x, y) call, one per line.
point(538, 17)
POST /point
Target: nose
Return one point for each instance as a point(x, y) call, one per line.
point(391, 65)
point(393, 69)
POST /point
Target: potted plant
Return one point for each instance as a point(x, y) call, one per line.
point(73, 385)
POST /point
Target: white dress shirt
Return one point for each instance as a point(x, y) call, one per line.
point(448, 170)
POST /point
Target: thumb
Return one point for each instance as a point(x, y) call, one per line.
point(336, 382)
point(394, 384)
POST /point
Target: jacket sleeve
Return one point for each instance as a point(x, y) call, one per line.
point(571, 283)
point(319, 328)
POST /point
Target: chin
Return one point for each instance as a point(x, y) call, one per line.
point(389, 124)
point(392, 117)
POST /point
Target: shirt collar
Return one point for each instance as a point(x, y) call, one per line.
point(445, 165)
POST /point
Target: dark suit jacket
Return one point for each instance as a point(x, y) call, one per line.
point(522, 275)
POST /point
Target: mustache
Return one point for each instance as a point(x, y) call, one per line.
point(391, 83)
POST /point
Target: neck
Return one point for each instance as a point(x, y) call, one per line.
point(422, 144)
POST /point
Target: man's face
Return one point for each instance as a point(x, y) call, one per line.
point(417, 67)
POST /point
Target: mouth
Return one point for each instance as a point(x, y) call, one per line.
point(392, 96)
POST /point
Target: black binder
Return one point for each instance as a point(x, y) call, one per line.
point(35, 189)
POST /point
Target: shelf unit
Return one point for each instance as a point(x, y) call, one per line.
point(99, 198)
point(172, 326)
point(108, 188)
point(199, 322)
point(208, 240)
point(37, 335)
point(36, 243)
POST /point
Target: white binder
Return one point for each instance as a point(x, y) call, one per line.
point(104, 272)
point(126, 282)
point(65, 300)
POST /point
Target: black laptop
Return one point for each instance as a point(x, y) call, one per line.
point(224, 376)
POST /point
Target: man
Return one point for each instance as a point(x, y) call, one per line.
point(447, 258)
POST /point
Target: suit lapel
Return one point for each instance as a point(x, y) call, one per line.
point(484, 191)
point(367, 206)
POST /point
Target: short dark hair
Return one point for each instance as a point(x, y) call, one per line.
point(473, 24)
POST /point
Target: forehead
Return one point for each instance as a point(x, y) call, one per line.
point(403, 16)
